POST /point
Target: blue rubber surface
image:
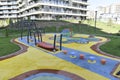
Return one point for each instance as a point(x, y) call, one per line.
point(77, 40)
point(97, 67)
point(47, 76)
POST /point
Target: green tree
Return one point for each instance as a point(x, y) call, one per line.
point(6, 29)
point(35, 0)
point(58, 17)
point(109, 22)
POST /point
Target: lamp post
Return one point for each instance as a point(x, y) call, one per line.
point(95, 20)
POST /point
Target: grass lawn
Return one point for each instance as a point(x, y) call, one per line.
point(6, 47)
point(114, 28)
point(105, 27)
point(112, 47)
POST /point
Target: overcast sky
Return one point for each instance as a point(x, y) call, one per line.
point(94, 3)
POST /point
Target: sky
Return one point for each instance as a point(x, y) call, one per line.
point(94, 3)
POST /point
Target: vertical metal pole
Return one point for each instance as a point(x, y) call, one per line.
point(61, 42)
point(28, 37)
point(44, 30)
point(38, 36)
point(36, 29)
point(35, 38)
point(54, 45)
point(29, 27)
point(41, 36)
point(95, 20)
point(29, 34)
point(21, 31)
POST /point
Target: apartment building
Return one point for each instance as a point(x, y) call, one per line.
point(115, 8)
point(109, 12)
point(8, 9)
point(44, 9)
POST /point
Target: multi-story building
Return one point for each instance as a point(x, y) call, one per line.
point(110, 12)
point(115, 8)
point(43, 9)
point(8, 9)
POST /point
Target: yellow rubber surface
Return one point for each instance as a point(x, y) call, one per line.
point(116, 71)
point(81, 47)
point(36, 59)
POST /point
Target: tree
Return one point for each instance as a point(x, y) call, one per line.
point(109, 22)
point(35, 0)
point(118, 34)
point(29, 19)
point(58, 17)
point(6, 29)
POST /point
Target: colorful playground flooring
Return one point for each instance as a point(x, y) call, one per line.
point(47, 76)
point(37, 58)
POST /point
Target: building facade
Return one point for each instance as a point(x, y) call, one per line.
point(44, 9)
point(8, 9)
point(110, 12)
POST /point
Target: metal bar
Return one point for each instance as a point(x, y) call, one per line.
point(61, 42)
point(95, 20)
point(35, 38)
point(54, 45)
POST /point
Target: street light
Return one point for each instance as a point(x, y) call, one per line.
point(95, 20)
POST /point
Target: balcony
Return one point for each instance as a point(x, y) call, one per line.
point(8, 7)
point(8, 3)
point(70, 13)
point(80, 2)
point(53, 3)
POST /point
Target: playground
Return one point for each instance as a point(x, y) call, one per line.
point(76, 59)
point(59, 56)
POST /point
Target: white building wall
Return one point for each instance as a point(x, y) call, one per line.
point(111, 12)
point(44, 9)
